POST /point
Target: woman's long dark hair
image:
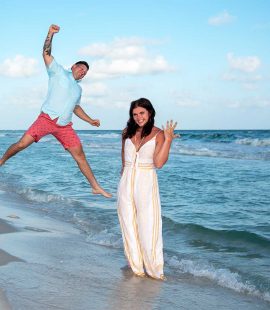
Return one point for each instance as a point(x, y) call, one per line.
point(131, 128)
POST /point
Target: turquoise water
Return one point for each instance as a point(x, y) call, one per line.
point(215, 195)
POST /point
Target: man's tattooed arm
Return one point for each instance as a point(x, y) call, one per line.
point(47, 47)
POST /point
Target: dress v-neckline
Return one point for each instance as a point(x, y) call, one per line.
point(142, 144)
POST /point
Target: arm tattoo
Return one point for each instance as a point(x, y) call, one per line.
point(47, 48)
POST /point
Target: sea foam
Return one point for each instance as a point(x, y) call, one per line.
point(222, 276)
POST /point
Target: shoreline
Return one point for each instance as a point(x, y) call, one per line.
point(5, 258)
point(50, 265)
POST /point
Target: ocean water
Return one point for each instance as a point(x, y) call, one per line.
point(215, 196)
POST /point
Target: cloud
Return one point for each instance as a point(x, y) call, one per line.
point(110, 100)
point(124, 57)
point(109, 97)
point(112, 68)
point(98, 94)
point(221, 19)
point(245, 64)
point(243, 70)
point(249, 102)
point(229, 76)
point(119, 48)
point(93, 89)
point(19, 66)
point(248, 81)
point(185, 99)
point(23, 98)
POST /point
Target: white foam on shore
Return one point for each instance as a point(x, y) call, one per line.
point(221, 276)
point(40, 196)
point(105, 238)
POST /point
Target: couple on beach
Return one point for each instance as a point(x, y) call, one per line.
point(144, 147)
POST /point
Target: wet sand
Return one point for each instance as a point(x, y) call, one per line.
point(5, 258)
point(47, 264)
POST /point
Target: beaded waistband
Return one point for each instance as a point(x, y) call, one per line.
point(139, 165)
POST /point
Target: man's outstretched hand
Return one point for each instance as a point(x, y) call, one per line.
point(95, 122)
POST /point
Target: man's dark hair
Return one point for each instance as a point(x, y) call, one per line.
point(82, 62)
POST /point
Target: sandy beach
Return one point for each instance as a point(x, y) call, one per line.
point(5, 258)
point(47, 264)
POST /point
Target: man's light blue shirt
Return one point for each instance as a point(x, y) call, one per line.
point(63, 95)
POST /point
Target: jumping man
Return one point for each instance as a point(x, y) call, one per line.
point(63, 99)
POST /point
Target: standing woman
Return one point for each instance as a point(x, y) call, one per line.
point(144, 148)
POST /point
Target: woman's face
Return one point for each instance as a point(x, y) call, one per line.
point(140, 116)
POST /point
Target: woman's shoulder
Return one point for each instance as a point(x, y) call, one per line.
point(157, 133)
point(155, 130)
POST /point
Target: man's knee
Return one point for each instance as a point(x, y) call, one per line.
point(78, 155)
point(24, 143)
point(20, 145)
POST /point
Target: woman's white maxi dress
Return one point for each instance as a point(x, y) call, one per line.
point(139, 210)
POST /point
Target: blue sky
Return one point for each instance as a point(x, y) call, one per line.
point(205, 63)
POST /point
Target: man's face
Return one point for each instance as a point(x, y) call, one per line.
point(79, 71)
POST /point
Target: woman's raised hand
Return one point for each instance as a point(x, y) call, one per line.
point(169, 130)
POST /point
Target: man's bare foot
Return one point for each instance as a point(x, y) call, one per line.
point(101, 191)
point(1, 162)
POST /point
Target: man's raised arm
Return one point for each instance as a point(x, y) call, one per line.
point(47, 48)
